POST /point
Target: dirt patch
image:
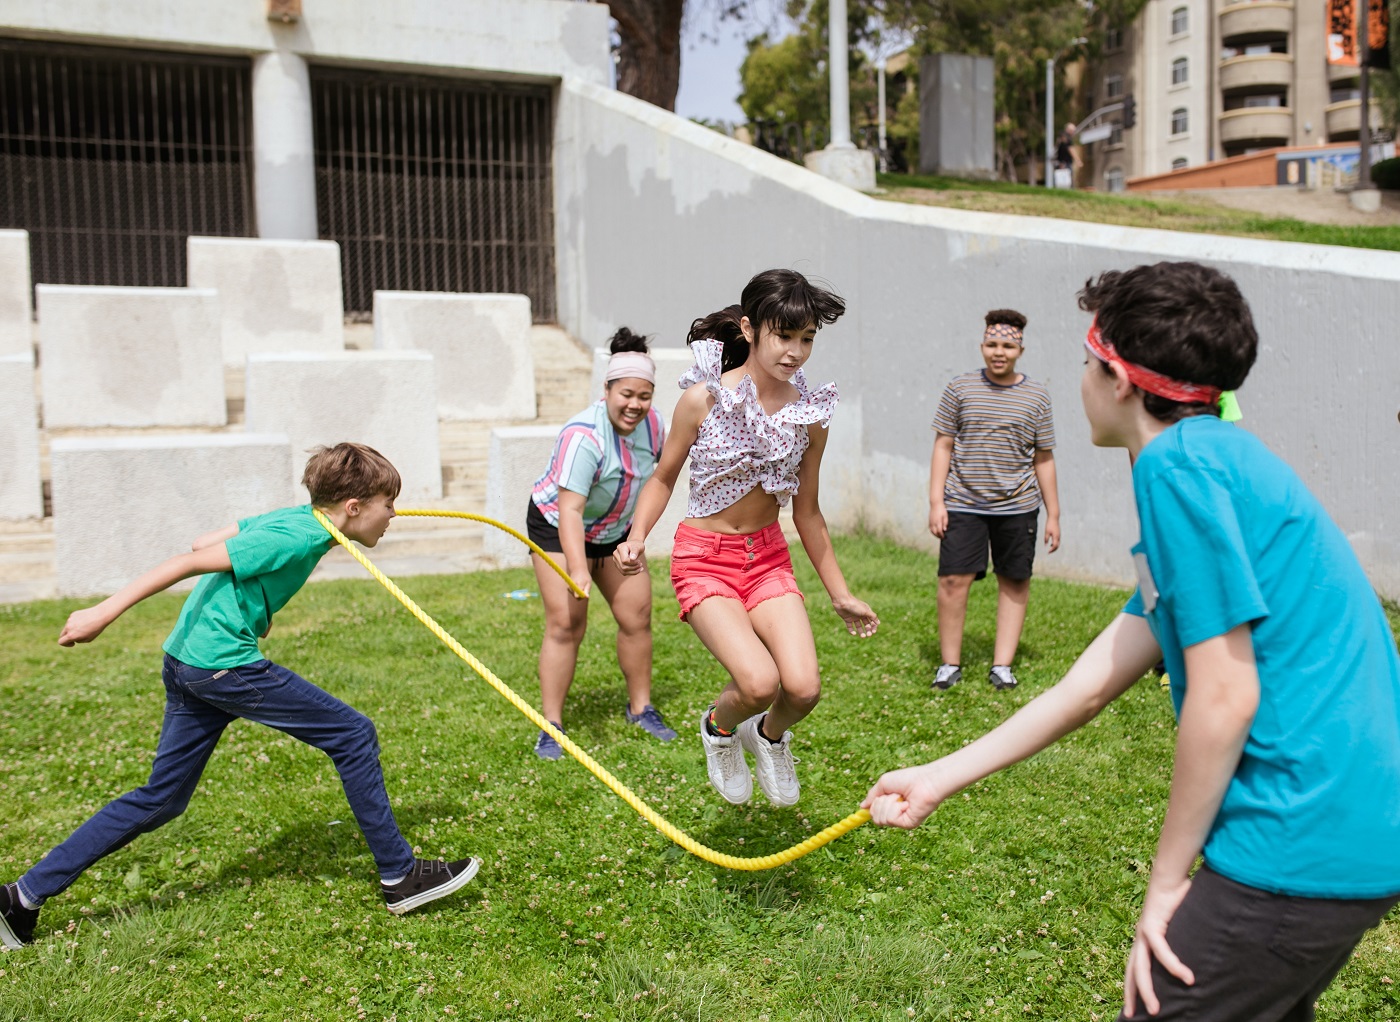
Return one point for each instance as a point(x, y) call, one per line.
point(1322, 206)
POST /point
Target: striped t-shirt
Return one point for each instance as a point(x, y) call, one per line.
point(592, 458)
point(996, 431)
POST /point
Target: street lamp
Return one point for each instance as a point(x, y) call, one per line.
point(1050, 107)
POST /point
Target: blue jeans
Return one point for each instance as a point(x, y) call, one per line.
point(199, 704)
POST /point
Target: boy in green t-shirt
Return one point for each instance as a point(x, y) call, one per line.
point(214, 673)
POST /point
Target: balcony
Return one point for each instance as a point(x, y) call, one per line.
point(1257, 124)
point(1271, 70)
point(1341, 73)
point(1344, 120)
point(1260, 18)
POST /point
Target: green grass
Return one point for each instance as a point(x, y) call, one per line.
point(1016, 900)
point(1137, 210)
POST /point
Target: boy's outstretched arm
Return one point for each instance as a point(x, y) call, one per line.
point(87, 624)
point(1043, 462)
point(217, 536)
point(1120, 655)
point(1221, 700)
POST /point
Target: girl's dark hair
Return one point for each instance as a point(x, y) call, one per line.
point(626, 340)
point(786, 300)
point(723, 326)
point(1184, 320)
point(1008, 316)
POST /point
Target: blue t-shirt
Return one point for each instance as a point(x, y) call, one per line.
point(1231, 536)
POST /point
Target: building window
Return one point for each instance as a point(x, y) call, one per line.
point(1113, 179)
point(1113, 87)
point(1181, 122)
point(1180, 163)
point(1112, 39)
point(1115, 136)
point(1181, 21)
point(1181, 73)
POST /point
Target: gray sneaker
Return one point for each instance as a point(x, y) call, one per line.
point(948, 675)
point(724, 761)
point(16, 922)
point(1001, 678)
point(772, 761)
point(545, 745)
point(651, 721)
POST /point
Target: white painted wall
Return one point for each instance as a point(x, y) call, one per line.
point(541, 38)
point(21, 487)
point(918, 280)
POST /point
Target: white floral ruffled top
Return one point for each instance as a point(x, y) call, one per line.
point(739, 445)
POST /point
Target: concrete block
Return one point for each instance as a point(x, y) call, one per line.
point(124, 504)
point(21, 487)
point(957, 133)
point(130, 356)
point(518, 456)
point(273, 295)
point(670, 364)
point(480, 345)
point(854, 168)
point(15, 311)
point(379, 398)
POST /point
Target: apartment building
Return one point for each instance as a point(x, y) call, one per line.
point(1214, 79)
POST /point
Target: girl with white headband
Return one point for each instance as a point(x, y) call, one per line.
point(582, 507)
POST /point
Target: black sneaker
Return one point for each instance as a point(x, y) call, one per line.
point(651, 721)
point(1001, 678)
point(429, 880)
point(948, 675)
point(16, 922)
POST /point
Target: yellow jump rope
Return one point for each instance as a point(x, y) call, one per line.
point(680, 837)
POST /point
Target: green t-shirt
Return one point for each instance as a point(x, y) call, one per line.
point(271, 557)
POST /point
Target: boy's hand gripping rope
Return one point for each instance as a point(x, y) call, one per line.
point(677, 835)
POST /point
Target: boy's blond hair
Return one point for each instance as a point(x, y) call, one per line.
point(349, 470)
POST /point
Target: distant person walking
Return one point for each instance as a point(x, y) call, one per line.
point(1066, 158)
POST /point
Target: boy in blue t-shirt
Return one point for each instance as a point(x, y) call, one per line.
point(1283, 670)
point(214, 673)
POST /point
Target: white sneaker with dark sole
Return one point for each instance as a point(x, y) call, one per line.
point(429, 880)
point(772, 761)
point(724, 761)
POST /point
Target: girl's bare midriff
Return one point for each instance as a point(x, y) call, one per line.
point(753, 512)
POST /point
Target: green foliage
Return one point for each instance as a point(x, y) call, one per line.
point(1386, 173)
point(1015, 901)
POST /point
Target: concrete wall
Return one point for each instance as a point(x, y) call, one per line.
point(124, 504)
point(273, 295)
point(670, 364)
point(543, 38)
point(21, 487)
point(919, 279)
point(957, 115)
point(373, 397)
point(130, 356)
point(517, 457)
point(481, 348)
point(15, 312)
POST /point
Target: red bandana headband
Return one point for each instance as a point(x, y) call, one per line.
point(1147, 379)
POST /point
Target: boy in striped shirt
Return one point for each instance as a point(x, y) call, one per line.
point(993, 467)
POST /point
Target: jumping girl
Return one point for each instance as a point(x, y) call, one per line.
point(582, 507)
point(748, 433)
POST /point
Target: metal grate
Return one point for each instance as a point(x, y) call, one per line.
point(111, 158)
point(435, 184)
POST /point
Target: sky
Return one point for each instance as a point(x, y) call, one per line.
point(710, 69)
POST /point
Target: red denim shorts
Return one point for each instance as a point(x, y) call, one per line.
point(749, 568)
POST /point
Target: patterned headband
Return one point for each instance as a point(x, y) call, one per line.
point(1004, 330)
point(1147, 379)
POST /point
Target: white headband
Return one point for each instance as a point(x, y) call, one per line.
point(626, 364)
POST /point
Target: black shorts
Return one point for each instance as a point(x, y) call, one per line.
point(1255, 955)
point(546, 536)
point(963, 550)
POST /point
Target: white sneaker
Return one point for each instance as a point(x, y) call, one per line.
point(724, 759)
point(773, 762)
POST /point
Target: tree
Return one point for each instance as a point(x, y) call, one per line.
point(649, 49)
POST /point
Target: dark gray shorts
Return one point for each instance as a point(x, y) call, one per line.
point(963, 549)
point(1257, 957)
